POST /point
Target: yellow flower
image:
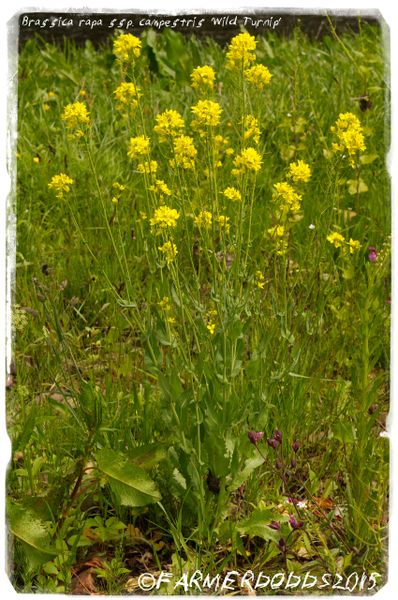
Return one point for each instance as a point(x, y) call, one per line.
point(251, 128)
point(348, 131)
point(260, 279)
point(276, 231)
point(169, 123)
point(299, 171)
point(207, 113)
point(223, 222)
point(169, 250)
point(288, 198)
point(83, 93)
point(164, 217)
point(248, 160)
point(127, 48)
point(354, 245)
point(61, 184)
point(127, 95)
point(119, 189)
point(258, 75)
point(203, 77)
point(148, 167)
point(46, 106)
point(336, 239)
point(36, 159)
point(241, 51)
point(51, 94)
point(160, 187)
point(211, 327)
point(76, 117)
point(139, 146)
point(203, 219)
point(232, 194)
point(184, 152)
point(164, 304)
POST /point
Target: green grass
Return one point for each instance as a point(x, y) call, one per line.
point(129, 422)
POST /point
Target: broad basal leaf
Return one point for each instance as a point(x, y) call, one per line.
point(32, 533)
point(130, 483)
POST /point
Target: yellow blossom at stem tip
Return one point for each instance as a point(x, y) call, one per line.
point(203, 77)
point(127, 48)
point(241, 51)
point(60, 184)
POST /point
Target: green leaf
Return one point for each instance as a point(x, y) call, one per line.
point(130, 483)
point(344, 432)
point(366, 159)
point(148, 456)
point(32, 533)
point(356, 186)
point(251, 464)
point(258, 525)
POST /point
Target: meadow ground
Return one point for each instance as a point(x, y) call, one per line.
point(201, 307)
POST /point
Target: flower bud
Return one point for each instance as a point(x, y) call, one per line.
point(255, 436)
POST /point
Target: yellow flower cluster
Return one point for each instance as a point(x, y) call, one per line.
point(241, 51)
point(277, 233)
point(210, 321)
point(299, 171)
point(249, 160)
point(223, 222)
point(207, 113)
point(184, 152)
point(127, 48)
point(289, 200)
point(148, 167)
point(339, 241)
point(260, 280)
point(251, 129)
point(119, 189)
point(169, 124)
point(60, 184)
point(203, 77)
point(258, 75)
point(160, 187)
point(166, 307)
point(127, 94)
point(164, 217)
point(348, 130)
point(139, 146)
point(76, 118)
point(169, 249)
point(232, 194)
point(203, 219)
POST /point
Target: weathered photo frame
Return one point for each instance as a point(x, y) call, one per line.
point(199, 291)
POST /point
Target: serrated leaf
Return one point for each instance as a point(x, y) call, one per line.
point(131, 484)
point(258, 525)
point(32, 533)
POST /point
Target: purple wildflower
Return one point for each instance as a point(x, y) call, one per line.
point(255, 436)
point(295, 524)
point(372, 256)
point(296, 445)
point(278, 436)
point(275, 525)
point(273, 443)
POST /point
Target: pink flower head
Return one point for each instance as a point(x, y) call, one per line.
point(372, 256)
point(255, 436)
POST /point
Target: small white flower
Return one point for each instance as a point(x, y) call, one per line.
point(311, 226)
